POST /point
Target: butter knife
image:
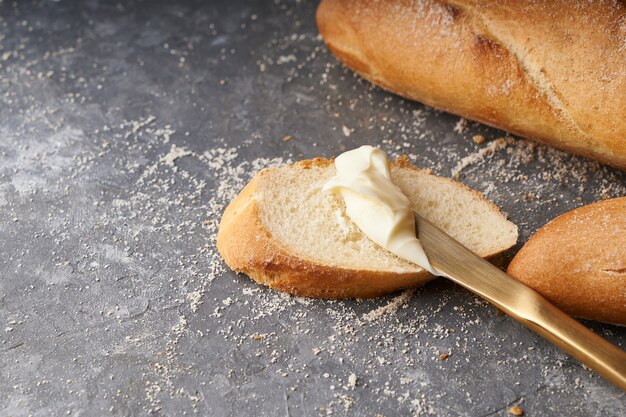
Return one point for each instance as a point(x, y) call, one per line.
point(461, 265)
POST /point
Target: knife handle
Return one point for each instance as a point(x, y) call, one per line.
point(456, 262)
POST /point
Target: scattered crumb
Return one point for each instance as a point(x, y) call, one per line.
point(461, 126)
point(392, 306)
point(480, 155)
point(195, 298)
point(516, 410)
point(406, 380)
point(174, 153)
point(284, 59)
point(287, 138)
point(478, 139)
point(352, 380)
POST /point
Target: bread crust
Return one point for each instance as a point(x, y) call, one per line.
point(578, 261)
point(551, 71)
point(248, 247)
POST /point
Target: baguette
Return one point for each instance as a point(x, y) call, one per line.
point(578, 262)
point(284, 232)
point(553, 71)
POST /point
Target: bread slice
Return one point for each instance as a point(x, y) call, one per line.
point(284, 232)
point(578, 261)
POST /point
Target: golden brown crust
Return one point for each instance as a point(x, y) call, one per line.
point(578, 261)
point(504, 63)
point(248, 247)
point(314, 163)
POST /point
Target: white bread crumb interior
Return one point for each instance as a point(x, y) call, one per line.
point(313, 225)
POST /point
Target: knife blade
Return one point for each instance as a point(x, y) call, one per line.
point(459, 264)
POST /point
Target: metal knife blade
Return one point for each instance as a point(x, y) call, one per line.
point(461, 265)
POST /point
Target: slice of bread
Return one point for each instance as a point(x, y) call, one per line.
point(284, 232)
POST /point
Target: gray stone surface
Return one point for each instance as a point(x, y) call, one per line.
point(125, 128)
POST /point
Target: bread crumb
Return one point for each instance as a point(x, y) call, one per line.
point(461, 126)
point(195, 298)
point(346, 131)
point(406, 380)
point(174, 153)
point(478, 139)
point(287, 138)
point(284, 59)
point(347, 401)
point(444, 356)
point(480, 155)
point(516, 410)
point(390, 307)
point(352, 379)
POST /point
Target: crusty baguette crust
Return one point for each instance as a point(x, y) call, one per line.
point(554, 71)
point(248, 247)
point(578, 261)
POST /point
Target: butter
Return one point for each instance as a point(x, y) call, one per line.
point(376, 205)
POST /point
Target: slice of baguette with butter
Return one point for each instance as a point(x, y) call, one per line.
point(284, 231)
point(578, 261)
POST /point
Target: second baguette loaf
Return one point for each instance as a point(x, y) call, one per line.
point(554, 71)
point(578, 261)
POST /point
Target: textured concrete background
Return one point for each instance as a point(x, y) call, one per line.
point(125, 128)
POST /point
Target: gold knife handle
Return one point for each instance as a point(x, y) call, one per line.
point(467, 269)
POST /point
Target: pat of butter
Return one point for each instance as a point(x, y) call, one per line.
point(376, 205)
